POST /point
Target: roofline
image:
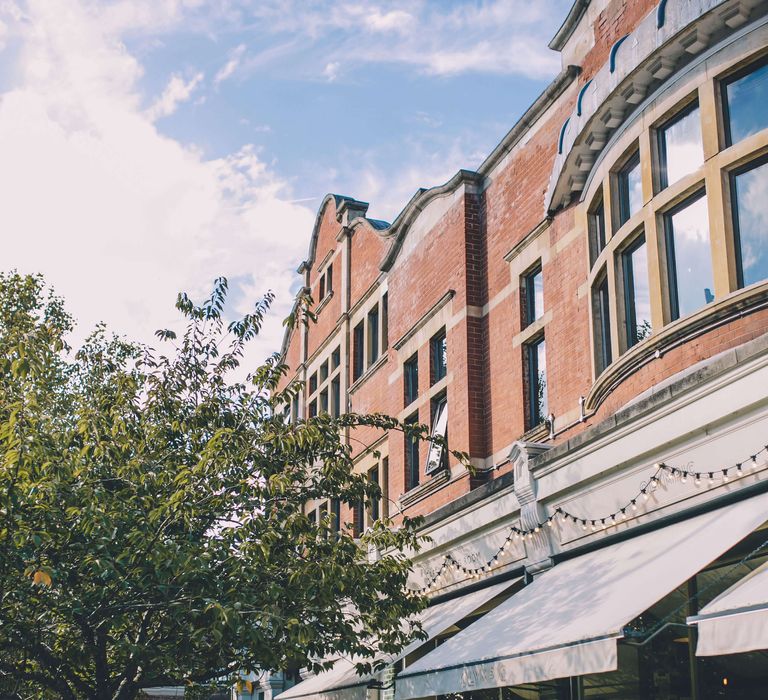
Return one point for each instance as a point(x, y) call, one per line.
point(570, 23)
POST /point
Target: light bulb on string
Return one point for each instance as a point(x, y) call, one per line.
point(697, 480)
point(725, 475)
point(623, 514)
point(583, 524)
point(593, 526)
point(711, 479)
point(634, 504)
point(684, 478)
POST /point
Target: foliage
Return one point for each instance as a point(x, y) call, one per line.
point(151, 512)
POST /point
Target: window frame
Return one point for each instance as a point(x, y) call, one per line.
point(757, 162)
point(531, 359)
point(724, 82)
point(436, 362)
point(411, 365)
point(373, 343)
point(598, 234)
point(631, 162)
point(673, 293)
point(601, 322)
point(661, 144)
point(411, 461)
point(437, 455)
point(529, 290)
point(627, 279)
point(358, 351)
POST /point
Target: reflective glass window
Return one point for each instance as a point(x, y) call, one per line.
point(750, 213)
point(746, 97)
point(680, 150)
point(637, 298)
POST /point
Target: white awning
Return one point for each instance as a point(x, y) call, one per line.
point(567, 622)
point(342, 681)
point(737, 620)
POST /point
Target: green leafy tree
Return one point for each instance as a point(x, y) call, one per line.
point(151, 512)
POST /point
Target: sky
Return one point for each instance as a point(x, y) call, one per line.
point(150, 146)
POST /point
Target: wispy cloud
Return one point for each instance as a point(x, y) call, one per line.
point(232, 64)
point(177, 91)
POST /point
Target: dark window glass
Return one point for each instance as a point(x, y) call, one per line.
point(637, 300)
point(322, 288)
point(295, 407)
point(680, 150)
point(596, 228)
point(438, 357)
point(384, 483)
point(536, 360)
point(411, 456)
point(336, 396)
point(358, 518)
point(602, 324)
point(324, 401)
point(533, 288)
point(336, 358)
point(411, 379)
point(313, 409)
point(385, 322)
point(746, 97)
point(373, 476)
point(689, 257)
point(358, 357)
point(323, 372)
point(437, 457)
point(313, 383)
point(750, 214)
point(373, 335)
point(329, 279)
point(630, 189)
point(336, 515)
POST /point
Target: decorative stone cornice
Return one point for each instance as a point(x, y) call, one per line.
point(639, 63)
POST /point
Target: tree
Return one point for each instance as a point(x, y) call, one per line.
point(151, 512)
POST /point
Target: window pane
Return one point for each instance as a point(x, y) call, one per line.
point(436, 457)
point(534, 296)
point(602, 324)
point(373, 335)
point(630, 189)
point(751, 214)
point(336, 397)
point(689, 258)
point(746, 98)
point(411, 456)
point(680, 147)
point(411, 379)
point(636, 293)
point(537, 382)
point(596, 230)
point(359, 351)
point(439, 357)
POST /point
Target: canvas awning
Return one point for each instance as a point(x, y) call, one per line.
point(737, 620)
point(342, 681)
point(567, 622)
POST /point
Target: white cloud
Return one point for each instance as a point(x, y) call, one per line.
point(331, 71)
point(176, 91)
point(118, 216)
point(396, 20)
point(232, 64)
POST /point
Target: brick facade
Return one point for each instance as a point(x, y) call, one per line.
point(453, 259)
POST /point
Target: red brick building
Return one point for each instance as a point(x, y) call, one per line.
point(585, 315)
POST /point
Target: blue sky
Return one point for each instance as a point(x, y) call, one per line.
point(151, 145)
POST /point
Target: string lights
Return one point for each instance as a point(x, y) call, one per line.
point(517, 534)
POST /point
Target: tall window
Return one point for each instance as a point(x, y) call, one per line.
point(745, 98)
point(680, 149)
point(750, 222)
point(411, 379)
point(602, 324)
point(336, 515)
point(411, 455)
point(358, 351)
point(324, 401)
point(336, 396)
point(689, 257)
point(437, 457)
point(385, 321)
point(637, 299)
point(438, 357)
point(313, 408)
point(336, 358)
point(329, 279)
point(373, 335)
point(630, 189)
point(313, 383)
point(596, 228)
point(374, 476)
point(536, 381)
point(533, 290)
